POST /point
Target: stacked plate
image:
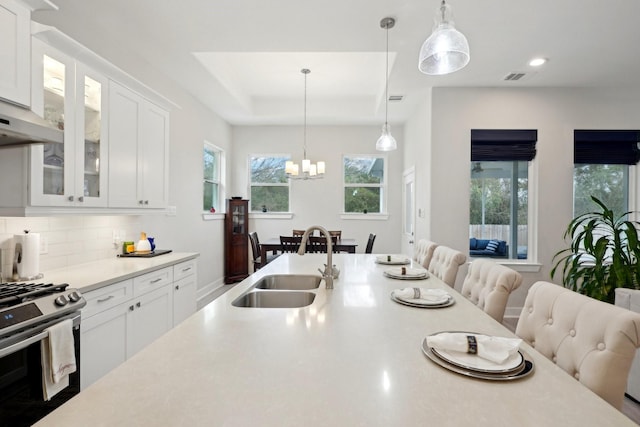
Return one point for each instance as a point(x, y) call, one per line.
point(406, 273)
point(392, 259)
point(517, 366)
point(423, 298)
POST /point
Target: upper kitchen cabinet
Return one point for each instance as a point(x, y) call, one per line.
point(138, 150)
point(73, 98)
point(15, 39)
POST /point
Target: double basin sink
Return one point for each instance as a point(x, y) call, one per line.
point(280, 291)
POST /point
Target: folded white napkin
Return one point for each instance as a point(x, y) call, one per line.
point(434, 295)
point(494, 349)
point(58, 358)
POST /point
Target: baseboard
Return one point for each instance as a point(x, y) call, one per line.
point(512, 313)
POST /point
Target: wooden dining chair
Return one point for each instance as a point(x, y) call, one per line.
point(489, 284)
point(297, 232)
point(318, 244)
point(423, 252)
point(369, 248)
point(591, 340)
point(445, 264)
point(257, 252)
point(290, 244)
point(336, 233)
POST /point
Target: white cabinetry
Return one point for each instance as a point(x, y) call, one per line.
point(138, 151)
point(14, 51)
point(185, 282)
point(121, 319)
point(71, 97)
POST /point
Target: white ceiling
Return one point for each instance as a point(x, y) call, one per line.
point(242, 58)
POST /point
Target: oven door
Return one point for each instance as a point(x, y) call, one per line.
point(21, 397)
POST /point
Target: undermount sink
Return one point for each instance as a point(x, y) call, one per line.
point(279, 299)
point(292, 282)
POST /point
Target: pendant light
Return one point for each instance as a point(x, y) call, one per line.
point(386, 142)
point(446, 50)
point(309, 170)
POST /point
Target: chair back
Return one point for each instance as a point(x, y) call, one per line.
point(369, 248)
point(630, 299)
point(445, 263)
point(424, 252)
point(489, 284)
point(300, 232)
point(593, 341)
point(255, 245)
point(318, 244)
point(290, 244)
point(336, 233)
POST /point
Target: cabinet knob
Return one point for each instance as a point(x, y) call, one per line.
point(177, 287)
point(138, 304)
point(146, 202)
point(130, 308)
point(81, 199)
point(141, 202)
point(70, 198)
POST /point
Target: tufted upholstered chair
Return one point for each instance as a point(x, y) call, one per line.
point(591, 340)
point(424, 252)
point(630, 299)
point(489, 284)
point(445, 263)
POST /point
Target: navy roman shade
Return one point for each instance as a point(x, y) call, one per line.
point(606, 147)
point(503, 144)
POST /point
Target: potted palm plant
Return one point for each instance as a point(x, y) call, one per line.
point(604, 254)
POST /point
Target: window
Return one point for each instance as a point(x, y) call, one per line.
point(364, 184)
point(601, 168)
point(499, 193)
point(269, 184)
point(212, 172)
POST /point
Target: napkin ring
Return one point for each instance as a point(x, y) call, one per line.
point(472, 344)
point(416, 293)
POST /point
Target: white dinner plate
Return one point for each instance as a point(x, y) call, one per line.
point(410, 273)
point(421, 303)
point(476, 363)
point(392, 259)
point(527, 368)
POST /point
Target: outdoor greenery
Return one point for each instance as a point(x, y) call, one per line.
point(364, 178)
point(269, 185)
point(497, 194)
point(603, 254)
point(608, 183)
point(211, 184)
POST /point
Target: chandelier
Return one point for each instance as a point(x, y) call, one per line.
point(309, 170)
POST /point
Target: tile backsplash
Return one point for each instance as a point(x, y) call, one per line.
point(68, 240)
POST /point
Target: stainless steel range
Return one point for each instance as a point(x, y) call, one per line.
point(26, 311)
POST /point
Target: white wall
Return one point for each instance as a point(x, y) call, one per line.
point(555, 113)
point(319, 202)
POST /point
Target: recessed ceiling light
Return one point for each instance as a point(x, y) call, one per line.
point(536, 62)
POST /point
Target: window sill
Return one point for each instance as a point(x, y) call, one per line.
point(270, 215)
point(363, 216)
point(208, 216)
point(521, 266)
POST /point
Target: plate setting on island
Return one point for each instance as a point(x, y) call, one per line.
point(423, 297)
point(478, 356)
point(392, 259)
point(407, 273)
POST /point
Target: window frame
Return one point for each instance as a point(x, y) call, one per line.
point(251, 184)
point(383, 214)
point(218, 180)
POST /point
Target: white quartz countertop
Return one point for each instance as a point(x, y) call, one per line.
point(96, 274)
point(351, 358)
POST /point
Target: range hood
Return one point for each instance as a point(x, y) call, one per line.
point(19, 127)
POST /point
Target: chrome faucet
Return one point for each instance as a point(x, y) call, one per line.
point(330, 272)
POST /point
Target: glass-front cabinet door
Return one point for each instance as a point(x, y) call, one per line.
point(70, 97)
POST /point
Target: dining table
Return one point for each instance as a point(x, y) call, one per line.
point(353, 355)
point(273, 244)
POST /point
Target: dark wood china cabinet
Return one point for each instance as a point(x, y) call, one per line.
point(236, 231)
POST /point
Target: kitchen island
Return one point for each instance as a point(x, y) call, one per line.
point(351, 358)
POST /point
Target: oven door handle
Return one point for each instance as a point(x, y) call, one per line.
point(30, 340)
point(23, 344)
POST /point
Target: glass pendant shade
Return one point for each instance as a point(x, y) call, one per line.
point(446, 50)
point(386, 142)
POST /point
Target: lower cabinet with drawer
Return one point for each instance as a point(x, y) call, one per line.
point(185, 282)
point(121, 319)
